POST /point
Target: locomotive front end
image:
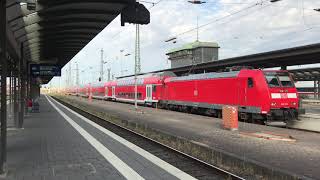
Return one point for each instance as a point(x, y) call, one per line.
point(284, 101)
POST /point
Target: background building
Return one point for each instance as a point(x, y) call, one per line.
point(194, 53)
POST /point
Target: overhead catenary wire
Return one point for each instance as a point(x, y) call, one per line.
point(217, 19)
point(220, 19)
point(236, 17)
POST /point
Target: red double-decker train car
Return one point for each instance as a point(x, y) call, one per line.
point(149, 88)
point(258, 94)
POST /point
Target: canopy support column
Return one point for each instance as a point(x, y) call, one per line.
point(22, 89)
point(318, 89)
point(314, 89)
point(15, 94)
point(3, 37)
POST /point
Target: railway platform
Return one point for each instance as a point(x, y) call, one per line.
point(298, 157)
point(309, 121)
point(58, 143)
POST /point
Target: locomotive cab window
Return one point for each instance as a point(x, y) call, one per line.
point(285, 80)
point(279, 79)
point(154, 88)
point(250, 83)
point(272, 80)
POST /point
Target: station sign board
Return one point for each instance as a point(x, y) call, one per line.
point(43, 70)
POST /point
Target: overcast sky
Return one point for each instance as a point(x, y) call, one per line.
point(240, 27)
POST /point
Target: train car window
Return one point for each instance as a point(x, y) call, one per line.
point(154, 88)
point(285, 80)
point(250, 83)
point(277, 79)
point(272, 80)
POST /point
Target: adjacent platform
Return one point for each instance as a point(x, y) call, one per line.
point(309, 121)
point(60, 144)
point(300, 157)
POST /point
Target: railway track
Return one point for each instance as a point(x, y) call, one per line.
point(254, 121)
point(188, 164)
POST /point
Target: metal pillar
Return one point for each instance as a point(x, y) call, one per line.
point(70, 76)
point(318, 90)
point(109, 74)
point(77, 75)
point(10, 69)
point(15, 93)
point(315, 89)
point(137, 67)
point(10, 84)
point(26, 83)
point(28, 87)
point(22, 89)
point(101, 67)
point(3, 32)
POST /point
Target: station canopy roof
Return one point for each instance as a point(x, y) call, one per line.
point(59, 29)
point(306, 74)
point(308, 54)
point(56, 30)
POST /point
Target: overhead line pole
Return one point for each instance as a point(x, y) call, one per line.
point(109, 74)
point(70, 75)
point(77, 74)
point(3, 30)
point(101, 66)
point(137, 65)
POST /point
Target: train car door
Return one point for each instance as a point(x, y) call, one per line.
point(113, 92)
point(242, 92)
point(106, 91)
point(149, 92)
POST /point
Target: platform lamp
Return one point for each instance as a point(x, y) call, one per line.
point(197, 2)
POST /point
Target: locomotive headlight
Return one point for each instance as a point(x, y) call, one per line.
point(294, 104)
point(273, 104)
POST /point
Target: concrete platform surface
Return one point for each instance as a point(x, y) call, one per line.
point(58, 144)
point(301, 157)
point(309, 121)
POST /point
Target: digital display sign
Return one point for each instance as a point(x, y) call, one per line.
point(38, 70)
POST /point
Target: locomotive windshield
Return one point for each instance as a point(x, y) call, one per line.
point(278, 79)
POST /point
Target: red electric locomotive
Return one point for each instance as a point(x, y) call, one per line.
point(259, 94)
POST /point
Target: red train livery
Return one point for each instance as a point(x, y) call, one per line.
point(259, 94)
